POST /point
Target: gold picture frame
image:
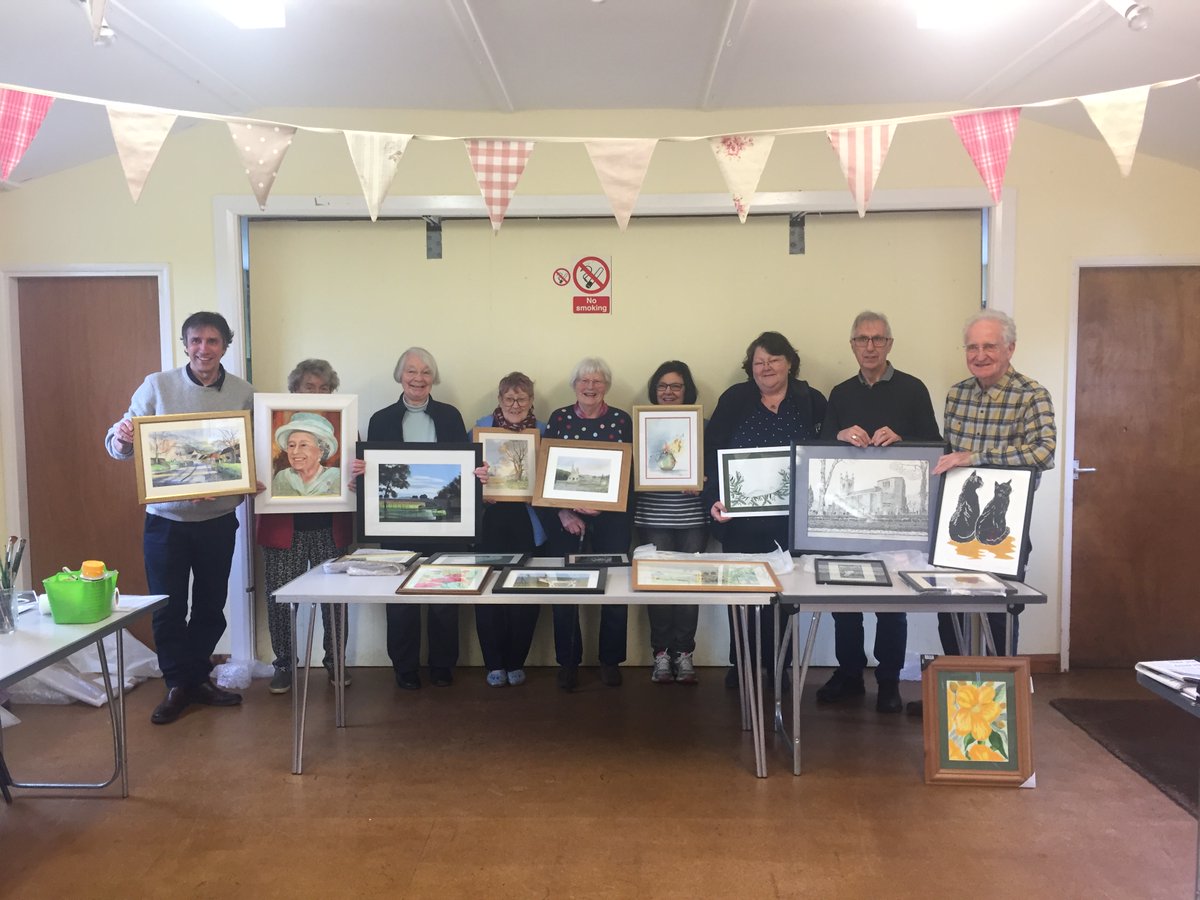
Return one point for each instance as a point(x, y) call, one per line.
point(583, 475)
point(190, 456)
point(696, 575)
point(512, 461)
point(668, 448)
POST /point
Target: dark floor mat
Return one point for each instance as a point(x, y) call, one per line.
point(1159, 742)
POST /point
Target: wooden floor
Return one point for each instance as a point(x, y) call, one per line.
point(639, 791)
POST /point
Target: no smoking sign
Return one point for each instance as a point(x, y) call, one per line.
point(590, 279)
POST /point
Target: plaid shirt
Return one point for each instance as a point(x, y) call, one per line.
point(1009, 424)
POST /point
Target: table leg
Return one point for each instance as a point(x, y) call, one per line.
point(740, 650)
point(783, 638)
point(1009, 624)
point(120, 634)
point(756, 709)
point(300, 703)
point(5, 777)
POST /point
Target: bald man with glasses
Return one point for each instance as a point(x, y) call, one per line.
point(878, 407)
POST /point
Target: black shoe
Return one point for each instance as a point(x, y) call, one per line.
point(409, 681)
point(568, 678)
point(888, 699)
point(208, 694)
point(731, 678)
point(610, 676)
point(914, 708)
point(172, 706)
point(441, 677)
point(839, 687)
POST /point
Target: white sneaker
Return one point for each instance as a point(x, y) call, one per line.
point(685, 672)
point(662, 673)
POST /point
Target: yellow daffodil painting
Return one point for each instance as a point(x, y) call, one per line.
point(977, 728)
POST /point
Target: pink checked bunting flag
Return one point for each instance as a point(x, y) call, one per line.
point(988, 137)
point(861, 151)
point(21, 116)
point(498, 167)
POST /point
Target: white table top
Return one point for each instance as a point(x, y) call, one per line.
point(801, 588)
point(317, 586)
point(38, 641)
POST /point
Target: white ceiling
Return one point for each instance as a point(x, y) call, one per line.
point(509, 55)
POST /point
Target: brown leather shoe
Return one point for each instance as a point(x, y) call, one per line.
point(172, 706)
point(209, 694)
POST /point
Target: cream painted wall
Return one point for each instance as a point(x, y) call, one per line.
point(1071, 205)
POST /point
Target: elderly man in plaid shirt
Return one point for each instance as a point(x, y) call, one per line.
point(997, 417)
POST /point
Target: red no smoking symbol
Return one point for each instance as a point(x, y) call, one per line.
point(561, 277)
point(591, 275)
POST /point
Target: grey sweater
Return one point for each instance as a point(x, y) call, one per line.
point(164, 393)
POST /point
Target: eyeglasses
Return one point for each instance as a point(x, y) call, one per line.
point(875, 340)
point(664, 387)
point(591, 382)
point(974, 349)
point(514, 401)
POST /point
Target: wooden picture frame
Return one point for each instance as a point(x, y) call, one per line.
point(551, 580)
point(435, 578)
point(983, 520)
point(942, 582)
point(861, 572)
point(591, 560)
point(189, 456)
point(511, 458)
point(469, 558)
point(755, 481)
point(419, 493)
point(978, 720)
point(668, 448)
point(583, 475)
point(864, 499)
point(333, 419)
point(697, 575)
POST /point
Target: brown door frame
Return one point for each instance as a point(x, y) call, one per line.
point(1067, 431)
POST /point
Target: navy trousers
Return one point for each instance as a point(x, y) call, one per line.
point(891, 637)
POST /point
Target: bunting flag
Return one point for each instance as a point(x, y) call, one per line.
point(498, 166)
point(621, 166)
point(262, 148)
point(861, 151)
point(139, 135)
point(376, 157)
point(988, 137)
point(21, 116)
point(96, 14)
point(742, 158)
point(1118, 116)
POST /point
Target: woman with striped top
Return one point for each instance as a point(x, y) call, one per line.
point(672, 521)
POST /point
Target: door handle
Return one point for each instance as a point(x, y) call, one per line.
point(1077, 469)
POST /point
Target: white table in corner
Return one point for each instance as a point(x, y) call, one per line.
point(39, 642)
point(317, 586)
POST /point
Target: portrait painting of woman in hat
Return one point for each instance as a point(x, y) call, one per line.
point(309, 440)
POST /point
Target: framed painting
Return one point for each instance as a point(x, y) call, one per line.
point(435, 578)
point(300, 443)
point(498, 560)
point(755, 482)
point(189, 456)
point(550, 581)
point(955, 583)
point(862, 572)
point(983, 520)
point(511, 458)
point(749, 576)
point(977, 720)
point(863, 499)
point(422, 493)
point(589, 560)
point(583, 475)
point(668, 448)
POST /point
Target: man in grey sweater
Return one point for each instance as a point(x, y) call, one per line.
point(190, 539)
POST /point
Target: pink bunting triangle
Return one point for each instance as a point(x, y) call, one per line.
point(988, 137)
point(498, 166)
point(861, 151)
point(741, 159)
point(1118, 116)
point(21, 116)
point(139, 135)
point(621, 166)
point(262, 148)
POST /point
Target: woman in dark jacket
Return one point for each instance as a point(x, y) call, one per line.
point(416, 418)
point(771, 408)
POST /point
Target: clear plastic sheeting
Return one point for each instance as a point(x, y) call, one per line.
point(237, 674)
point(78, 677)
point(779, 559)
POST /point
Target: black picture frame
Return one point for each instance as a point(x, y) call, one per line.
point(1008, 492)
point(479, 558)
point(956, 582)
point(594, 560)
point(870, 572)
point(557, 580)
point(895, 510)
point(460, 528)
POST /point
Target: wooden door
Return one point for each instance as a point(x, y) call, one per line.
point(1137, 423)
point(86, 344)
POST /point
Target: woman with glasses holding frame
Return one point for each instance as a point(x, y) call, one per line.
point(675, 522)
point(506, 630)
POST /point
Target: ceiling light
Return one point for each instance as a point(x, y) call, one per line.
point(252, 13)
point(962, 15)
point(1138, 17)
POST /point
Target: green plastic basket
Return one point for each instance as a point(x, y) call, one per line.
point(74, 601)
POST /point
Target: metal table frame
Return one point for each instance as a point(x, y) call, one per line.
point(38, 642)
